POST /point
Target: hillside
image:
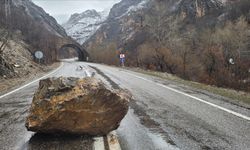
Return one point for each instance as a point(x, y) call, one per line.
point(37, 28)
point(24, 29)
point(196, 40)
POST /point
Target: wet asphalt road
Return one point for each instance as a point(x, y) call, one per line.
point(164, 119)
point(159, 119)
point(14, 109)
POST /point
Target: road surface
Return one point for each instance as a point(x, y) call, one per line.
point(162, 116)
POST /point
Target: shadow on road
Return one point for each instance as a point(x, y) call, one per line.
point(59, 142)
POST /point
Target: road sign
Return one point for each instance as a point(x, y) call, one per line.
point(122, 56)
point(39, 54)
point(122, 59)
point(231, 61)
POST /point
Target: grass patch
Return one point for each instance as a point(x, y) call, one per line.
point(229, 93)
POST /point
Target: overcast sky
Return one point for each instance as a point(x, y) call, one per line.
point(62, 9)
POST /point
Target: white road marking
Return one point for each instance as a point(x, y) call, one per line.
point(196, 98)
point(99, 143)
point(52, 72)
point(113, 141)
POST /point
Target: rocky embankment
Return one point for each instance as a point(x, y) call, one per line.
point(24, 29)
point(17, 66)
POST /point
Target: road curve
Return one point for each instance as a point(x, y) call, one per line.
point(182, 117)
point(163, 116)
point(14, 108)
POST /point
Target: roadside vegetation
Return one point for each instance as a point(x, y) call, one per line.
point(211, 48)
point(234, 95)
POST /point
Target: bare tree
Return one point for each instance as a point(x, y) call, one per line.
point(161, 28)
point(4, 34)
point(4, 38)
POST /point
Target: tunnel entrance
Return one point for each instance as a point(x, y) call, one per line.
point(66, 52)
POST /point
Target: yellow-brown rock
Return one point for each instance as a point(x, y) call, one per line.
point(76, 106)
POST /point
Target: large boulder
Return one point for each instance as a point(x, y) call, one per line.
point(76, 106)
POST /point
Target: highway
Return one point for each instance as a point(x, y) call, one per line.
point(162, 116)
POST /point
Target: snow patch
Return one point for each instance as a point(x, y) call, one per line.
point(134, 8)
point(139, 6)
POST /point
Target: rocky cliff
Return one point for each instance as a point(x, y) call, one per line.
point(81, 26)
point(128, 20)
point(37, 14)
point(197, 8)
point(121, 24)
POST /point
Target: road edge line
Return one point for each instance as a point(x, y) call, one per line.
point(13, 91)
point(196, 98)
point(98, 143)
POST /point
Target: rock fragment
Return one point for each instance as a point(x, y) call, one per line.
point(76, 106)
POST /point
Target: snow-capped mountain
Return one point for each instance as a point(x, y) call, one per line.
point(84, 25)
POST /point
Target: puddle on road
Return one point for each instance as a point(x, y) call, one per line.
point(23, 143)
point(133, 135)
point(149, 123)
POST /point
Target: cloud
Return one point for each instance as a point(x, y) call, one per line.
point(62, 9)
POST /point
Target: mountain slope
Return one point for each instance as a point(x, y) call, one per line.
point(194, 39)
point(127, 17)
point(39, 15)
point(121, 23)
point(37, 28)
point(24, 29)
point(81, 26)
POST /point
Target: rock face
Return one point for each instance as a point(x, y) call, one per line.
point(197, 8)
point(39, 15)
point(76, 106)
point(81, 26)
point(34, 26)
point(124, 25)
